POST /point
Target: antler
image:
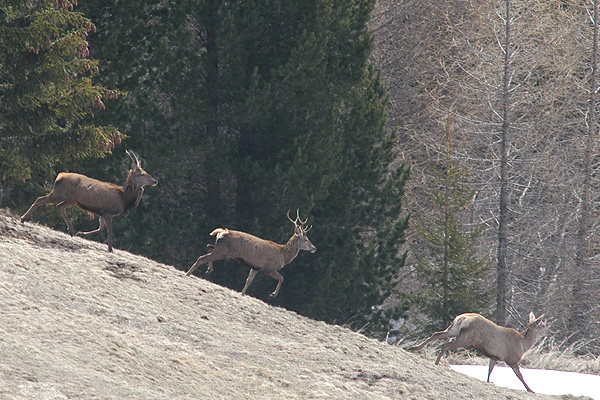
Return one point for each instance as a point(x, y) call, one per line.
point(295, 222)
point(134, 158)
point(288, 217)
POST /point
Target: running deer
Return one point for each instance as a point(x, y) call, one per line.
point(259, 254)
point(104, 199)
point(493, 341)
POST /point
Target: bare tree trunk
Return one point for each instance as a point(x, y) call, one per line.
point(582, 274)
point(503, 298)
point(446, 276)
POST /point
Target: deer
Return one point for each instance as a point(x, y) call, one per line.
point(258, 254)
point(493, 341)
point(104, 199)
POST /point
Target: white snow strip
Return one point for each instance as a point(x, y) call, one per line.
point(540, 381)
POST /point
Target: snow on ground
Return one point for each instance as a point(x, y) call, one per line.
point(540, 381)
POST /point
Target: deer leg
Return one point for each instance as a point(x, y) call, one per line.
point(249, 280)
point(438, 335)
point(206, 258)
point(453, 345)
point(100, 229)
point(210, 248)
point(62, 208)
point(492, 363)
point(518, 373)
point(105, 223)
point(108, 225)
point(279, 277)
point(209, 270)
point(40, 201)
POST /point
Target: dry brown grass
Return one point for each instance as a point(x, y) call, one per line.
point(77, 322)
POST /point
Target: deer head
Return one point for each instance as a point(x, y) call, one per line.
point(300, 232)
point(139, 177)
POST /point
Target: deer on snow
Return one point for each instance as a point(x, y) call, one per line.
point(493, 341)
point(259, 254)
point(103, 199)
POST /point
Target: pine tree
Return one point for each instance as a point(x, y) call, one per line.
point(453, 275)
point(155, 51)
point(310, 116)
point(257, 107)
point(47, 94)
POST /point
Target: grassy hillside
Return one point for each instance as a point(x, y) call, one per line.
point(77, 322)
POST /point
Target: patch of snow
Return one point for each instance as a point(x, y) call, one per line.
point(539, 380)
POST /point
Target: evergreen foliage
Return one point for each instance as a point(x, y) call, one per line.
point(47, 92)
point(245, 109)
point(452, 273)
point(242, 110)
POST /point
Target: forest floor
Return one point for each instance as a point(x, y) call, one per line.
point(77, 322)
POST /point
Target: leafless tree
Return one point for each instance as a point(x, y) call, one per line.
point(532, 193)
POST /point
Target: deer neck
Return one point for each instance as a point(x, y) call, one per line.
point(291, 249)
point(528, 336)
point(132, 194)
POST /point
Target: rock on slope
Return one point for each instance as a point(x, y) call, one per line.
point(77, 322)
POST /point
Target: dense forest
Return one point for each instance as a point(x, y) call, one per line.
point(476, 119)
point(242, 110)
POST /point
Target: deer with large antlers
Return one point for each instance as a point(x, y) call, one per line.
point(259, 254)
point(103, 199)
point(493, 341)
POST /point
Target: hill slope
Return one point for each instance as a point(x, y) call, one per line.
point(77, 322)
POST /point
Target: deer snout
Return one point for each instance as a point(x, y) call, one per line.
point(151, 181)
